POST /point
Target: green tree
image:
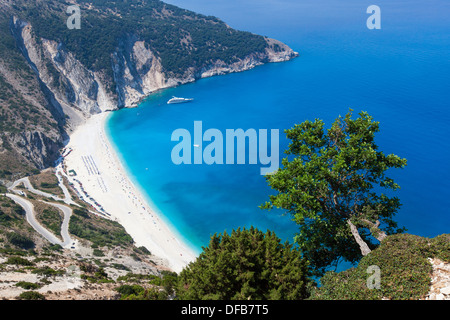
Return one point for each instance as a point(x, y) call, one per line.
point(247, 264)
point(330, 183)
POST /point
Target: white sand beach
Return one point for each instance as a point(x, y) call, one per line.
point(101, 176)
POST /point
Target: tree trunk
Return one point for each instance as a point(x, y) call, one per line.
point(376, 233)
point(362, 244)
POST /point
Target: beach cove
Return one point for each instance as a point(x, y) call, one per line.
point(96, 165)
point(398, 75)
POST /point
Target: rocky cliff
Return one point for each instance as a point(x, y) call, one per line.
point(77, 92)
point(138, 72)
point(73, 91)
point(76, 77)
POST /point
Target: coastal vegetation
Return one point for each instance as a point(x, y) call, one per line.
point(402, 258)
point(46, 181)
point(100, 232)
point(14, 230)
point(31, 295)
point(331, 184)
point(19, 240)
point(405, 270)
point(28, 285)
point(246, 264)
point(49, 216)
point(148, 287)
point(177, 36)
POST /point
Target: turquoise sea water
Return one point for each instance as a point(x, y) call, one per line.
point(399, 74)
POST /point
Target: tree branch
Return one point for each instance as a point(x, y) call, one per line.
point(365, 250)
point(380, 235)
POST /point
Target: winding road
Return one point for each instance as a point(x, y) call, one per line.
point(26, 182)
point(30, 216)
point(67, 241)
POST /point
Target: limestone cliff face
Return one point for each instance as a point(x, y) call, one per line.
point(77, 92)
point(275, 52)
point(37, 145)
point(39, 148)
point(74, 92)
point(138, 72)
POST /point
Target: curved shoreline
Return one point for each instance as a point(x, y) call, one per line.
point(113, 189)
point(146, 198)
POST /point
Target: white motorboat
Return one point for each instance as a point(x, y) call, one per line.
point(179, 100)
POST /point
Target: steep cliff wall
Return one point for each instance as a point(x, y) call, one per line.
point(73, 84)
point(79, 92)
point(275, 52)
point(31, 118)
point(73, 91)
point(138, 72)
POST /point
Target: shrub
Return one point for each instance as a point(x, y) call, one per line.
point(81, 212)
point(20, 240)
point(133, 277)
point(55, 247)
point(405, 270)
point(4, 217)
point(98, 253)
point(19, 210)
point(120, 266)
point(440, 246)
point(47, 271)
point(47, 185)
point(126, 290)
point(28, 285)
point(248, 264)
point(19, 261)
point(31, 295)
point(148, 294)
point(142, 250)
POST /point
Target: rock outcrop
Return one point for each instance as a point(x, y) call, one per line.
point(440, 280)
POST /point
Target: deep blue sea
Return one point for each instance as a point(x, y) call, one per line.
point(400, 74)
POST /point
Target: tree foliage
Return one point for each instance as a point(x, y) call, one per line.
point(330, 183)
point(247, 264)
